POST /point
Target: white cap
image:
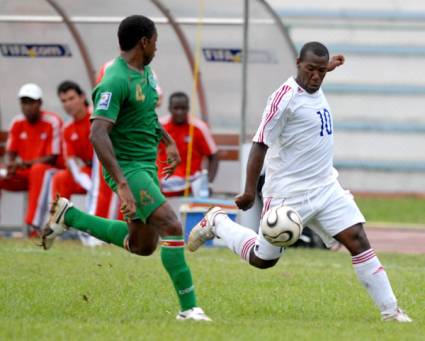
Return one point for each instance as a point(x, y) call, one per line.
point(30, 90)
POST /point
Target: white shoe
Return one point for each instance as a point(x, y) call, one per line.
point(203, 230)
point(56, 224)
point(195, 314)
point(398, 315)
point(88, 240)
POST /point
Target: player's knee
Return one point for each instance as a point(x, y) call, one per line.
point(356, 239)
point(144, 250)
point(174, 228)
point(262, 263)
point(358, 234)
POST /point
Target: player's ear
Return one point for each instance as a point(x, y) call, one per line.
point(298, 61)
point(144, 41)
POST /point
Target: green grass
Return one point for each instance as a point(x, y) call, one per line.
point(397, 210)
point(75, 293)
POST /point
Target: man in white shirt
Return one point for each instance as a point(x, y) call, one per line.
point(295, 141)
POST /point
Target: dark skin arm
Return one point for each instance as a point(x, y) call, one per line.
point(335, 61)
point(50, 159)
point(212, 167)
point(12, 164)
point(173, 156)
point(99, 137)
point(253, 169)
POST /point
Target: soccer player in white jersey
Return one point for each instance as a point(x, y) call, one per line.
point(295, 140)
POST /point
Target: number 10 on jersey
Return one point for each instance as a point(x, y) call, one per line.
point(326, 122)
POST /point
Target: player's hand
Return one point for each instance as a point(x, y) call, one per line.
point(128, 204)
point(173, 160)
point(11, 168)
point(245, 201)
point(335, 61)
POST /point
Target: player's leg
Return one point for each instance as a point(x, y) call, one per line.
point(142, 239)
point(371, 273)
point(341, 217)
point(173, 259)
point(160, 218)
point(246, 243)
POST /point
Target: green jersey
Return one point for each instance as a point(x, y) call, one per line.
point(127, 97)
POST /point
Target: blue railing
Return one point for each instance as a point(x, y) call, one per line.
point(381, 166)
point(375, 89)
point(375, 50)
point(381, 127)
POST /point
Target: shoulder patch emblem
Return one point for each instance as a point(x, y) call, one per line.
point(104, 101)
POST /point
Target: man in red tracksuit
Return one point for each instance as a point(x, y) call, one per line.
point(78, 151)
point(33, 150)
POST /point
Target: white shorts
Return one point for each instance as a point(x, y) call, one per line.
point(327, 210)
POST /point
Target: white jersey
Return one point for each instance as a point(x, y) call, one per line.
point(297, 127)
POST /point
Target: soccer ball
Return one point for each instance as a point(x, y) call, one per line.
point(281, 226)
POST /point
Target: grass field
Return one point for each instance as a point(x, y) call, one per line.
point(76, 293)
point(393, 210)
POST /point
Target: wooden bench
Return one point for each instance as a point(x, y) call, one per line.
point(228, 146)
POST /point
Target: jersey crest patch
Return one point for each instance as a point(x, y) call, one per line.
point(105, 99)
point(139, 93)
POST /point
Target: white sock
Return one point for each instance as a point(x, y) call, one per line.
point(374, 278)
point(238, 238)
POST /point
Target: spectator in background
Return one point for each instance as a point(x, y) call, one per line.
point(78, 151)
point(177, 125)
point(77, 178)
point(33, 150)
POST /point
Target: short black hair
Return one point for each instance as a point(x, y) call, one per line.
point(134, 28)
point(317, 48)
point(67, 85)
point(176, 95)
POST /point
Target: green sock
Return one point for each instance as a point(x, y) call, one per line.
point(108, 230)
point(172, 256)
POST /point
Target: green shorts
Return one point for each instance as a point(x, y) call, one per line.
point(143, 181)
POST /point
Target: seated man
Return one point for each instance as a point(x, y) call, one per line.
point(33, 147)
point(78, 151)
point(177, 125)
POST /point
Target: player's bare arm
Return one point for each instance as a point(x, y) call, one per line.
point(255, 163)
point(335, 61)
point(49, 159)
point(173, 156)
point(212, 167)
point(99, 137)
point(11, 163)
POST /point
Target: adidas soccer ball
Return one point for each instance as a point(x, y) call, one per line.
point(281, 226)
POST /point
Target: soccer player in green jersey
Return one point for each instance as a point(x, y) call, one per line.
point(125, 133)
